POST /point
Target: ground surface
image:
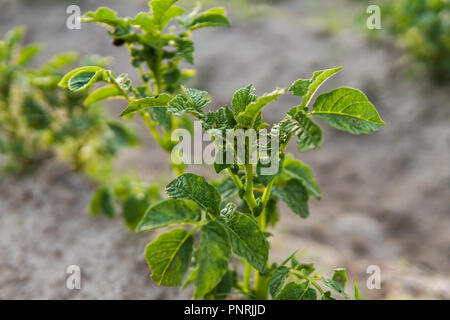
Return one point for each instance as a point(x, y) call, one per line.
point(385, 196)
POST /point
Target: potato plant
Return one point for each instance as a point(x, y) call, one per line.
point(158, 51)
point(38, 119)
point(215, 225)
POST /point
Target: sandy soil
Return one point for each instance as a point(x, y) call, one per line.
point(385, 196)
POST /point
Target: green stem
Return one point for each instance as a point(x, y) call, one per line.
point(152, 127)
point(261, 282)
point(249, 197)
point(157, 73)
point(177, 169)
point(247, 272)
point(266, 195)
point(310, 280)
point(236, 180)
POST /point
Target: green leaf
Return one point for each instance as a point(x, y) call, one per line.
point(307, 131)
point(12, 38)
point(123, 135)
point(340, 277)
point(36, 116)
point(102, 94)
point(102, 13)
point(247, 240)
point(61, 60)
point(185, 50)
point(192, 100)
point(307, 87)
point(191, 278)
point(212, 256)
point(144, 21)
point(171, 13)
point(214, 17)
point(223, 289)
point(134, 208)
point(105, 16)
point(247, 118)
point(169, 212)
point(305, 268)
point(297, 169)
point(277, 279)
point(102, 202)
point(218, 167)
point(295, 195)
point(163, 11)
point(242, 98)
point(65, 80)
point(227, 189)
point(223, 118)
point(28, 53)
point(83, 79)
point(336, 287)
point(169, 257)
point(338, 281)
point(162, 116)
point(144, 103)
point(272, 215)
point(193, 187)
point(296, 291)
point(349, 110)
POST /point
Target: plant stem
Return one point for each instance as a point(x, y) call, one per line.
point(307, 278)
point(151, 126)
point(177, 169)
point(261, 282)
point(249, 197)
point(266, 196)
point(236, 180)
point(247, 272)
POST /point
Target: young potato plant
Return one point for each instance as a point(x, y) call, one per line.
point(217, 224)
point(38, 119)
point(157, 49)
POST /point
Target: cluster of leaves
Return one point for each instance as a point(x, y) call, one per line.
point(214, 220)
point(423, 28)
point(134, 195)
point(38, 119)
point(157, 50)
point(231, 225)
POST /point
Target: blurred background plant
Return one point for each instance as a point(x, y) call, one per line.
point(159, 53)
point(39, 120)
point(422, 29)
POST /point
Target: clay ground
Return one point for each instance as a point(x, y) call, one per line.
point(385, 196)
